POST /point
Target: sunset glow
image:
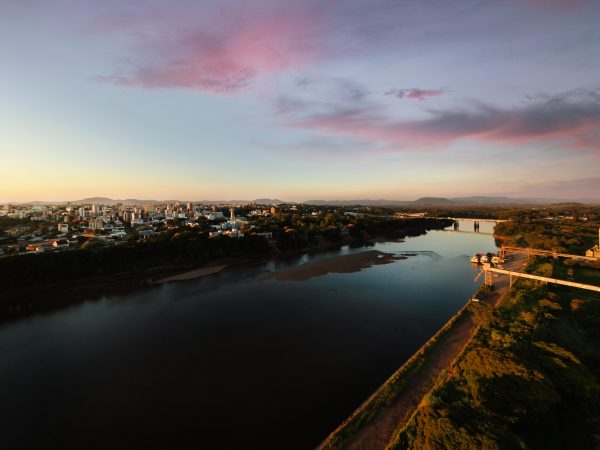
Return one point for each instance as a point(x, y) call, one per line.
point(299, 100)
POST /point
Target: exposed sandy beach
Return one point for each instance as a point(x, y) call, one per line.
point(193, 274)
point(338, 264)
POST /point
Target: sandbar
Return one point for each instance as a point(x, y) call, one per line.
point(354, 262)
point(193, 274)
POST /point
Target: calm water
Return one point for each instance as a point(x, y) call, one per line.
point(225, 361)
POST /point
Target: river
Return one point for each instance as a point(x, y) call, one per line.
point(228, 361)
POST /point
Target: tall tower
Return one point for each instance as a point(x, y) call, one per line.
point(232, 216)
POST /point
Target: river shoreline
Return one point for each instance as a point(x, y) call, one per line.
point(27, 300)
point(377, 421)
point(327, 341)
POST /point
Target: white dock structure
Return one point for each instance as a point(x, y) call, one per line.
point(489, 279)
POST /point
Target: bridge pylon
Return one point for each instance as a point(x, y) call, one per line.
point(488, 276)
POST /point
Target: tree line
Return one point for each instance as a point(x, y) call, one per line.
point(187, 247)
point(36, 269)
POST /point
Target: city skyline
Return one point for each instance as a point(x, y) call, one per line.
point(298, 101)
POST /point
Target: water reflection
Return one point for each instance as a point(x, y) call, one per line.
point(226, 359)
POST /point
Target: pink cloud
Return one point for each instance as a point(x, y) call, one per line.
point(573, 117)
point(414, 93)
point(580, 188)
point(226, 54)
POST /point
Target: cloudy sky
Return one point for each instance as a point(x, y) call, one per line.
point(299, 99)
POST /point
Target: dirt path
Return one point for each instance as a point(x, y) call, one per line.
point(379, 432)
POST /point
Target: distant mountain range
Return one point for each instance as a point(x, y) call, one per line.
point(135, 201)
point(458, 201)
point(423, 201)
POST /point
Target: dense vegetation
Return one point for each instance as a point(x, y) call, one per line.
point(530, 378)
point(561, 235)
point(298, 230)
point(178, 249)
point(7, 222)
point(520, 212)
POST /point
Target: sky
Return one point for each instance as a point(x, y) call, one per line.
point(299, 99)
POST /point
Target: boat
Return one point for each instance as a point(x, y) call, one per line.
point(481, 258)
point(476, 259)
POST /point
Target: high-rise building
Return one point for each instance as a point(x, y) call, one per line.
point(96, 223)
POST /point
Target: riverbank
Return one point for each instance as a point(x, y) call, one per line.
point(26, 300)
point(529, 377)
point(377, 422)
point(328, 341)
point(29, 298)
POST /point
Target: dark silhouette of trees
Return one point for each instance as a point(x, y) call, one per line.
point(30, 269)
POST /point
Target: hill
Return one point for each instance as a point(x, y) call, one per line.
point(423, 201)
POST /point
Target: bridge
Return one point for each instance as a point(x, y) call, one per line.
point(535, 252)
point(469, 232)
point(456, 226)
point(480, 220)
